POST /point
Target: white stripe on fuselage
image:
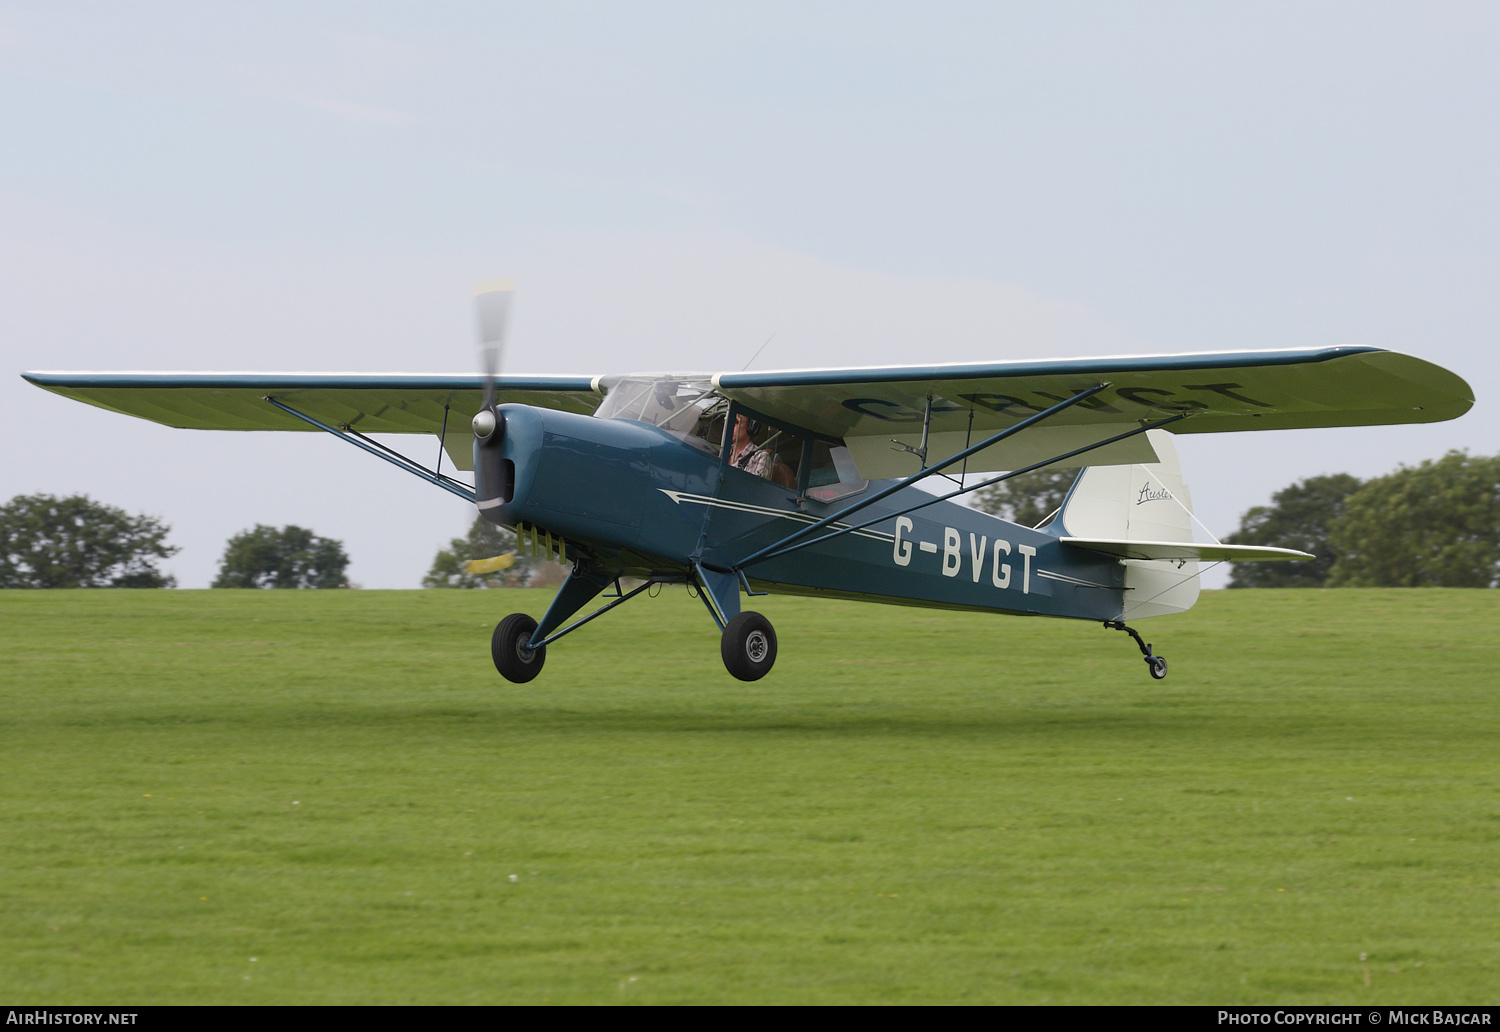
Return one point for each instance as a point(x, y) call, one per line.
point(801, 517)
point(1049, 575)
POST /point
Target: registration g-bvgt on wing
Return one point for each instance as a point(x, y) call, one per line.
point(801, 481)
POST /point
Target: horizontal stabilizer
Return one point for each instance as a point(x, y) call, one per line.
point(1177, 551)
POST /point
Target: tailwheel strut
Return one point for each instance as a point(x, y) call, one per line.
point(1156, 664)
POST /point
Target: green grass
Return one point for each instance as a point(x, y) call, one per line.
point(914, 806)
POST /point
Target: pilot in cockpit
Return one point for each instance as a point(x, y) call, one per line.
point(746, 454)
point(755, 458)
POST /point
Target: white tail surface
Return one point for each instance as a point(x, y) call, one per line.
point(1140, 503)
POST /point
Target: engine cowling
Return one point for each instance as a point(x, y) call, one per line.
point(494, 473)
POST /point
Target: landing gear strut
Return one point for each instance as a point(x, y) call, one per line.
point(1156, 664)
point(747, 644)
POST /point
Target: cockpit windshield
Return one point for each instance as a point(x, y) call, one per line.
point(687, 407)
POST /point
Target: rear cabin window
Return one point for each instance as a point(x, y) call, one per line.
point(832, 473)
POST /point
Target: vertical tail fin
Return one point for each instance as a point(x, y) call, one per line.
point(1139, 503)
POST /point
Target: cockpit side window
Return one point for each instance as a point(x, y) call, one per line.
point(786, 458)
point(709, 428)
point(690, 409)
point(766, 451)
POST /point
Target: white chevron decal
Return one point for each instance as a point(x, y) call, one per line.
point(800, 517)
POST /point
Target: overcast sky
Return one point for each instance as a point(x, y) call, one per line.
point(317, 186)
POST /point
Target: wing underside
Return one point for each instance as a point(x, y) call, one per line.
point(396, 403)
point(1220, 391)
point(370, 403)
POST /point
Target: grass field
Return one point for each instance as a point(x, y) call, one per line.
point(274, 797)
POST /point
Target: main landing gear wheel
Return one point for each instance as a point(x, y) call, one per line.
point(508, 648)
point(1158, 665)
point(748, 646)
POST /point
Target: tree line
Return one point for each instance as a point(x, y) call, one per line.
point(76, 542)
point(1436, 524)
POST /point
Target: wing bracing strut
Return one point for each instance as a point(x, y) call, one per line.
point(791, 542)
point(786, 543)
point(380, 451)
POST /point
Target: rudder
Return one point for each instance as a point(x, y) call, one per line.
point(1139, 502)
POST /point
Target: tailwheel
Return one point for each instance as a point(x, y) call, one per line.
point(513, 659)
point(748, 646)
point(1154, 663)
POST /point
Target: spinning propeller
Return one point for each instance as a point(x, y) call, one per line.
point(492, 305)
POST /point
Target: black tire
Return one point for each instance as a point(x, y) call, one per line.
point(1158, 665)
point(508, 648)
point(748, 646)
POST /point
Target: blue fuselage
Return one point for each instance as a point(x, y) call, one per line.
point(636, 500)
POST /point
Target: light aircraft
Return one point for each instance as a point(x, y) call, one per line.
point(801, 481)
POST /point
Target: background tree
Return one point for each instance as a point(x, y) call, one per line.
point(1435, 525)
point(1300, 516)
point(1029, 498)
point(292, 557)
point(75, 542)
point(483, 541)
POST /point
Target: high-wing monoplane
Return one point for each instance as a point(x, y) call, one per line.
point(804, 481)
